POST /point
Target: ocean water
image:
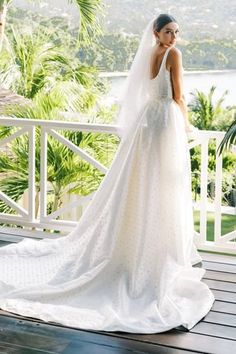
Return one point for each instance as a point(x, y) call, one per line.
point(200, 80)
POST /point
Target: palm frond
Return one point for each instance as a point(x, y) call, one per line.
point(229, 138)
point(14, 187)
point(203, 108)
point(89, 23)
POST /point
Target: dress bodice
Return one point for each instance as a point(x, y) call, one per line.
point(160, 86)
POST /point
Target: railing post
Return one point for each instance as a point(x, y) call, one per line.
point(218, 194)
point(43, 174)
point(32, 144)
point(203, 199)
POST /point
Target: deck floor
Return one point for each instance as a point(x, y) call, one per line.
point(215, 333)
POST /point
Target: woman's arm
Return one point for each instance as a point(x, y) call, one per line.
point(175, 60)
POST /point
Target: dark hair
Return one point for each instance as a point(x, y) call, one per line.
point(162, 20)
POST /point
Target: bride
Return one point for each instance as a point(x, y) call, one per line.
point(128, 264)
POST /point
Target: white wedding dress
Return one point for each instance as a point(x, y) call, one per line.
point(127, 266)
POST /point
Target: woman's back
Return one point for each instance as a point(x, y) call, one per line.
point(157, 60)
point(160, 84)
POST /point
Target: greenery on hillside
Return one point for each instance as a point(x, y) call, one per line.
point(114, 50)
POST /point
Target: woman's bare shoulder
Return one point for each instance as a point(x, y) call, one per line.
point(175, 52)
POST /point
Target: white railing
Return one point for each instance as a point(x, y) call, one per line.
point(222, 243)
point(31, 226)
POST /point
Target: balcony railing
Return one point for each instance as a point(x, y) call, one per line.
point(24, 221)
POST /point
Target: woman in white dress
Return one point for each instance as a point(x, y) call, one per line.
point(128, 265)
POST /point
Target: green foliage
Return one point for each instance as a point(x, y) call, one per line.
point(67, 172)
point(89, 24)
point(229, 138)
point(13, 171)
point(203, 109)
point(208, 116)
point(110, 52)
point(37, 65)
point(208, 54)
point(115, 51)
point(34, 63)
point(89, 10)
point(227, 224)
point(228, 175)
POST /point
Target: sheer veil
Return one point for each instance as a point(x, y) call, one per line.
point(136, 87)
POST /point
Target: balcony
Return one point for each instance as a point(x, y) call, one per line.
point(29, 219)
point(215, 333)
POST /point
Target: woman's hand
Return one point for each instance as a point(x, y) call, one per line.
point(189, 128)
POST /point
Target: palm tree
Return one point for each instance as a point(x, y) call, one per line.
point(88, 9)
point(229, 138)
point(204, 111)
point(33, 63)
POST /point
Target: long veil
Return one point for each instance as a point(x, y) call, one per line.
point(133, 99)
point(136, 87)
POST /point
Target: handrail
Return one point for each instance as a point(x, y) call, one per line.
point(106, 128)
point(26, 216)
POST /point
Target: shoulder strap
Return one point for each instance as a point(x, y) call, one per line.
point(163, 63)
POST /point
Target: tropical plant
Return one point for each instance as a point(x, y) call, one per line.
point(229, 138)
point(88, 9)
point(33, 62)
point(203, 108)
point(228, 168)
point(204, 114)
point(67, 172)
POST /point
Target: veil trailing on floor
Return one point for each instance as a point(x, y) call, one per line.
point(136, 87)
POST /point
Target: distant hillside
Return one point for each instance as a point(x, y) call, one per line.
point(212, 19)
point(197, 19)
